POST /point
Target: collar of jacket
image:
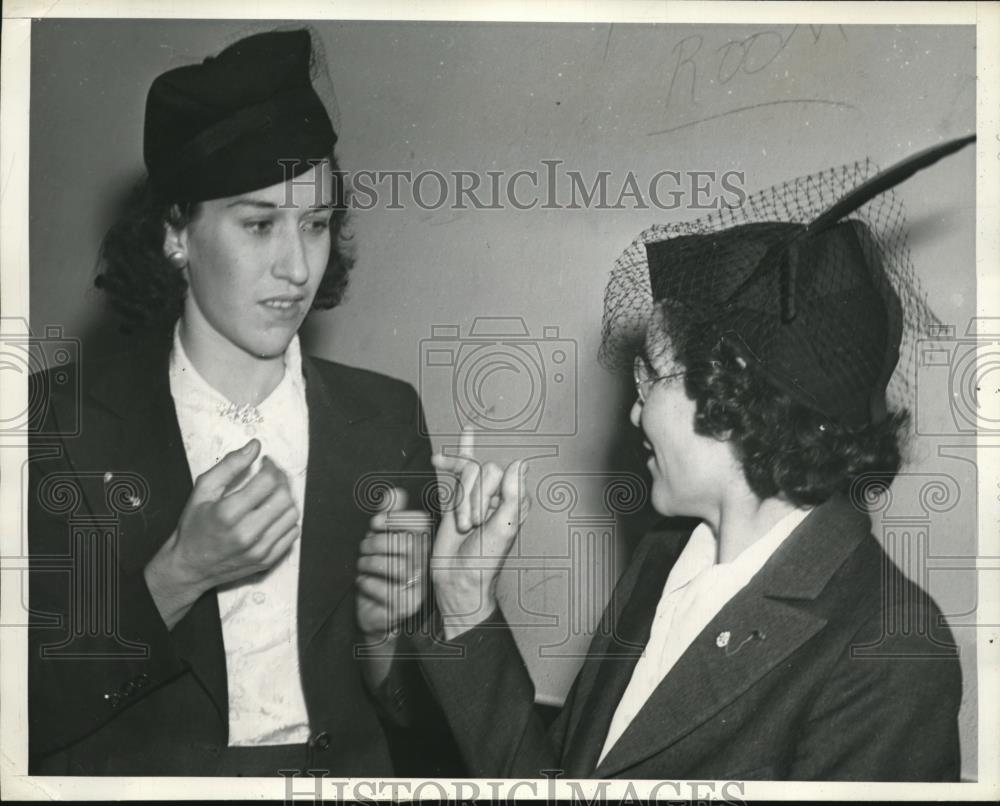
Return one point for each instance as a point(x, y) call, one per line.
point(802, 566)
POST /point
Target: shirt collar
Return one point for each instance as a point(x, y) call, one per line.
point(702, 549)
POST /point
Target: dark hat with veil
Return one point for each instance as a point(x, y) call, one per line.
point(248, 118)
point(809, 282)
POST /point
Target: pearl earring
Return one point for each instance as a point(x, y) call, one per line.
point(178, 259)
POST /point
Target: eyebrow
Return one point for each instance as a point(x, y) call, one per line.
point(252, 203)
point(266, 205)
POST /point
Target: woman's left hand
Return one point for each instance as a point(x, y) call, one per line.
point(392, 568)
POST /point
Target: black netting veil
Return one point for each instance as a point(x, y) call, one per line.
point(810, 281)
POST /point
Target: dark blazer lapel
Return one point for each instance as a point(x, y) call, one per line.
point(613, 655)
point(333, 523)
point(765, 626)
point(136, 388)
point(706, 679)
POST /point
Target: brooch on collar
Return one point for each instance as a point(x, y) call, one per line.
point(246, 414)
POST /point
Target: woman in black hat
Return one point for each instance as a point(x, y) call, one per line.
point(215, 629)
point(776, 640)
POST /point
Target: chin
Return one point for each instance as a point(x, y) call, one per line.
point(662, 503)
point(667, 503)
point(270, 346)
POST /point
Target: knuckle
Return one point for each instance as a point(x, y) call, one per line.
point(257, 552)
point(266, 485)
point(246, 539)
point(224, 514)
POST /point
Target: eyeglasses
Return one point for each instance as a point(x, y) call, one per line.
point(644, 377)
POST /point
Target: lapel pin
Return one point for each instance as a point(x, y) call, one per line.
point(756, 635)
point(722, 639)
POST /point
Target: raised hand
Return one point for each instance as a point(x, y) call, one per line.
point(475, 536)
point(392, 568)
point(225, 533)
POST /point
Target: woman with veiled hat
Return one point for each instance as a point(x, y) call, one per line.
point(228, 643)
point(776, 640)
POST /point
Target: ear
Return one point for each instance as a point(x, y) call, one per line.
point(175, 236)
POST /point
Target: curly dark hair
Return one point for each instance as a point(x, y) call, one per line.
point(787, 449)
point(145, 290)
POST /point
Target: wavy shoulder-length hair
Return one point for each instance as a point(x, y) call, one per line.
point(147, 291)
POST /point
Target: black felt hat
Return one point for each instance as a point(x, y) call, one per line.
point(246, 119)
point(829, 337)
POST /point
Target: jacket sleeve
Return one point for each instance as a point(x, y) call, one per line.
point(888, 713)
point(96, 641)
point(486, 692)
point(487, 695)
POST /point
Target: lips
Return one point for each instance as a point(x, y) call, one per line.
point(282, 300)
point(284, 305)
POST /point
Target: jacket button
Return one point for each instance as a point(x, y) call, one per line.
point(321, 741)
point(127, 688)
point(114, 698)
point(142, 680)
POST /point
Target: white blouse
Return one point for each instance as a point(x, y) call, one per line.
point(259, 613)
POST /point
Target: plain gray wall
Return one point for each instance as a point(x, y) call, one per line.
point(483, 96)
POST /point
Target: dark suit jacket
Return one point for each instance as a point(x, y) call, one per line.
point(837, 668)
point(112, 691)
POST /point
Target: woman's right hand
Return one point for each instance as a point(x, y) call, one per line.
point(224, 534)
point(475, 535)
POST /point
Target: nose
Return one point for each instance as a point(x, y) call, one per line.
point(291, 263)
point(636, 414)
